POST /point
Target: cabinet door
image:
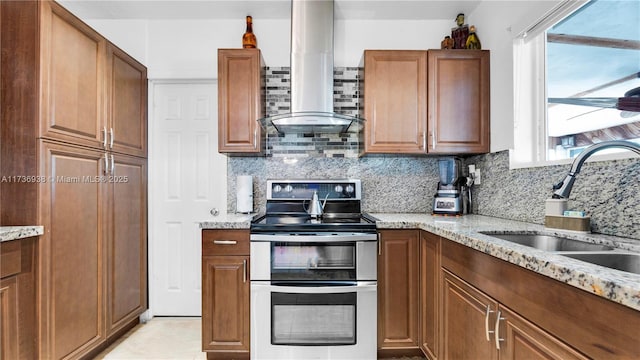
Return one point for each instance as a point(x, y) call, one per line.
point(72, 251)
point(127, 103)
point(524, 340)
point(468, 317)
point(72, 71)
point(240, 100)
point(395, 101)
point(9, 318)
point(225, 304)
point(429, 293)
point(127, 241)
point(398, 290)
point(458, 101)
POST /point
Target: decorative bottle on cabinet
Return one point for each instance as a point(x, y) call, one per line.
point(249, 38)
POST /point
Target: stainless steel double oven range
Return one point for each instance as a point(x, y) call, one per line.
point(313, 278)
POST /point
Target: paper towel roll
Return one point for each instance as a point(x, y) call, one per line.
point(244, 194)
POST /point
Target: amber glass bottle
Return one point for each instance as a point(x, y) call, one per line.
point(249, 39)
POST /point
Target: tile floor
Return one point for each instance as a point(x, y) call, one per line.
point(161, 338)
point(176, 338)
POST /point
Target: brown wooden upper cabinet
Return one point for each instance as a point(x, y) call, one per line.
point(81, 74)
point(419, 102)
point(72, 59)
point(458, 87)
point(126, 124)
point(395, 101)
point(241, 100)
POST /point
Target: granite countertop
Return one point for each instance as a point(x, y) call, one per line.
point(228, 221)
point(618, 286)
point(8, 233)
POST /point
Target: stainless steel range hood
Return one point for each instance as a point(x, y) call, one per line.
point(312, 73)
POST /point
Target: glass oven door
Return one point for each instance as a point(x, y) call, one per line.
point(320, 257)
point(313, 319)
point(318, 261)
point(293, 321)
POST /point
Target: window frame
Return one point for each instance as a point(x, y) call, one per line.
point(530, 97)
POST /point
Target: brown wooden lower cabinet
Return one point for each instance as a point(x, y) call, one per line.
point(524, 340)
point(127, 243)
point(18, 299)
point(465, 322)
point(429, 294)
point(398, 293)
point(475, 326)
point(225, 294)
point(537, 317)
point(9, 347)
point(93, 280)
point(73, 246)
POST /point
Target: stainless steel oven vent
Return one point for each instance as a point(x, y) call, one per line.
point(312, 73)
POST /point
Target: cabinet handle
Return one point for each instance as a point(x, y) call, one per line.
point(111, 142)
point(424, 141)
point(225, 242)
point(486, 322)
point(106, 163)
point(379, 244)
point(433, 140)
point(104, 137)
point(113, 164)
point(255, 138)
point(244, 270)
point(497, 330)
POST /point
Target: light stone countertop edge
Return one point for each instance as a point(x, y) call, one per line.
point(618, 286)
point(9, 233)
point(228, 221)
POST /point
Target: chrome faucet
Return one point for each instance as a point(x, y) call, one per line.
point(563, 188)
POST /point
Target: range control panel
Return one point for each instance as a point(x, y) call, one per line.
point(347, 189)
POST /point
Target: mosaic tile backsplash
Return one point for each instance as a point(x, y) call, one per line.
point(347, 100)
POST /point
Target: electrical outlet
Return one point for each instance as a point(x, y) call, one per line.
point(475, 173)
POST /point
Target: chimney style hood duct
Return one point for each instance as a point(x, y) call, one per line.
point(312, 73)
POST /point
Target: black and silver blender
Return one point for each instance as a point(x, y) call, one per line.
point(451, 198)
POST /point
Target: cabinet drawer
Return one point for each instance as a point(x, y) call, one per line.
point(11, 258)
point(225, 242)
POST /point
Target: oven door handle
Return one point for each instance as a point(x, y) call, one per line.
point(285, 237)
point(360, 286)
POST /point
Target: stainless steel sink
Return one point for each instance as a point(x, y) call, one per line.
point(550, 243)
point(619, 261)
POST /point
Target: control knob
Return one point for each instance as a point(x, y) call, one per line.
point(349, 188)
point(277, 188)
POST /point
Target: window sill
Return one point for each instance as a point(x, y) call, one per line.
point(622, 155)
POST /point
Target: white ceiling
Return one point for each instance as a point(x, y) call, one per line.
point(264, 9)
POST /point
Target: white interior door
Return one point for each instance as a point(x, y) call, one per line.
point(188, 179)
